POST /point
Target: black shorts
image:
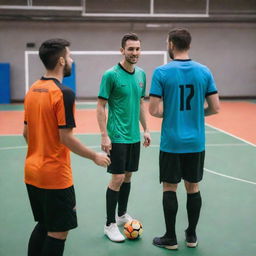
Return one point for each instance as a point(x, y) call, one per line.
point(124, 157)
point(55, 209)
point(186, 166)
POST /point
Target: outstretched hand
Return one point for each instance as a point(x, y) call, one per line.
point(102, 159)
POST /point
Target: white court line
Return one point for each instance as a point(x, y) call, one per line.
point(10, 148)
point(23, 147)
point(229, 177)
point(230, 134)
point(210, 171)
point(3, 135)
point(153, 146)
point(216, 145)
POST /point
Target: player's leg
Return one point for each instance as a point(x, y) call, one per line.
point(112, 196)
point(36, 240)
point(194, 203)
point(117, 169)
point(170, 208)
point(122, 215)
point(131, 165)
point(193, 172)
point(54, 243)
point(170, 176)
point(111, 229)
point(60, 217)
point(39, 233)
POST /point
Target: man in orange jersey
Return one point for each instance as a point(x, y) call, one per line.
point(48, 124)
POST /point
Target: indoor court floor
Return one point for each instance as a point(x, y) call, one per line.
point(227, 226)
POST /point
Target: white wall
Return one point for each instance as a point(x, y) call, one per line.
point(228, 49)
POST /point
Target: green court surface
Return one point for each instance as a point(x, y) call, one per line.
point(227, 225)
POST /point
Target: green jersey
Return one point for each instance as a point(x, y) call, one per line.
point(123, 91)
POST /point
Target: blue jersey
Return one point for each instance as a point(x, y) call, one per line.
point(183, 85)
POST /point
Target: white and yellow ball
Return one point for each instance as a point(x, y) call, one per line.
point(133, 229)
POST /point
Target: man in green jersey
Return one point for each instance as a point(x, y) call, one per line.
point(123, 88)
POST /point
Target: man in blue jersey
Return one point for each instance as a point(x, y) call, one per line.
point(123, 88)
point(177, 95)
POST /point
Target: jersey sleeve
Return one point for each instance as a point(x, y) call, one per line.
point(211, 87)
point(64, 109)
point(106, 85)
point(156, 89)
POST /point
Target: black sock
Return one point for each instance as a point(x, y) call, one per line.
point(170, 206)
point(53, 247)
point(123, 198)
point(111, 198)
point(194, 203)
point(36, 240)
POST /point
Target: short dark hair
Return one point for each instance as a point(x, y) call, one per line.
point(129, 36)
point(51, 50)
point(181, 38)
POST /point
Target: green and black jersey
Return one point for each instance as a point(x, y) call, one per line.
point(123, 91)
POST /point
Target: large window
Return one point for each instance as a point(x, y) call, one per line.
point(56, 2)
point(232, 7)
point(149, 9)
point(14, 2)
point(117, 6)
point(178, 7)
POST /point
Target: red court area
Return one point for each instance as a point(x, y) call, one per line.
point(236, 117)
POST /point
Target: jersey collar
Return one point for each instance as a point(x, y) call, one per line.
point(182, 60)
point(131, 73)
point(51, 78)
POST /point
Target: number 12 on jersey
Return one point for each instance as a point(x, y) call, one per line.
point(185, 100)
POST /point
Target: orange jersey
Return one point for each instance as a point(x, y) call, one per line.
point(49, 106)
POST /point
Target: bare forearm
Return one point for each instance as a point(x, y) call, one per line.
point(156, 110)
point(208, 111)
point(78, 148)
point(25, 133)
point(102, 120)
point(213, 105)
point(143, 119)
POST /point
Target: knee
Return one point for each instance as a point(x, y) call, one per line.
point(58, 235)
point(169, 187)
point(191, 187)
point(116, 181)
point(128, 176)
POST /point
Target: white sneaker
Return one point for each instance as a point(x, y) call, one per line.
point(113, 233)
point(123, 219)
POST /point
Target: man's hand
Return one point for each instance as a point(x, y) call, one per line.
point(147, 139)
point(106, 144)
point(102, 159)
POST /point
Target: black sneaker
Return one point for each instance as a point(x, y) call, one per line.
point(164, 242)
point(191, 240)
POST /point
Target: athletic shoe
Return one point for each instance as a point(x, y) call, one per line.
point(164, 242)
point(113, 233)
point(123, 219)
point(191, 240)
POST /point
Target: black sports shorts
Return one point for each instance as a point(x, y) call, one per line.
point(176, 166)
point(55, 209)
point(124, 157)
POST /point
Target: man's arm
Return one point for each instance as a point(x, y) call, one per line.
point(143, 121)
point(102, 122)
point(156, 106)
point(213, 105)
point(69, 140)
point(25, 133)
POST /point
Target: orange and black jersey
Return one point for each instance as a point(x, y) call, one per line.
point(49, 106)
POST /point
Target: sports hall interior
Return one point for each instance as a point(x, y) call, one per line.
point(223, 38)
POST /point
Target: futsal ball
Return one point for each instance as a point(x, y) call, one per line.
point(133, 229)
